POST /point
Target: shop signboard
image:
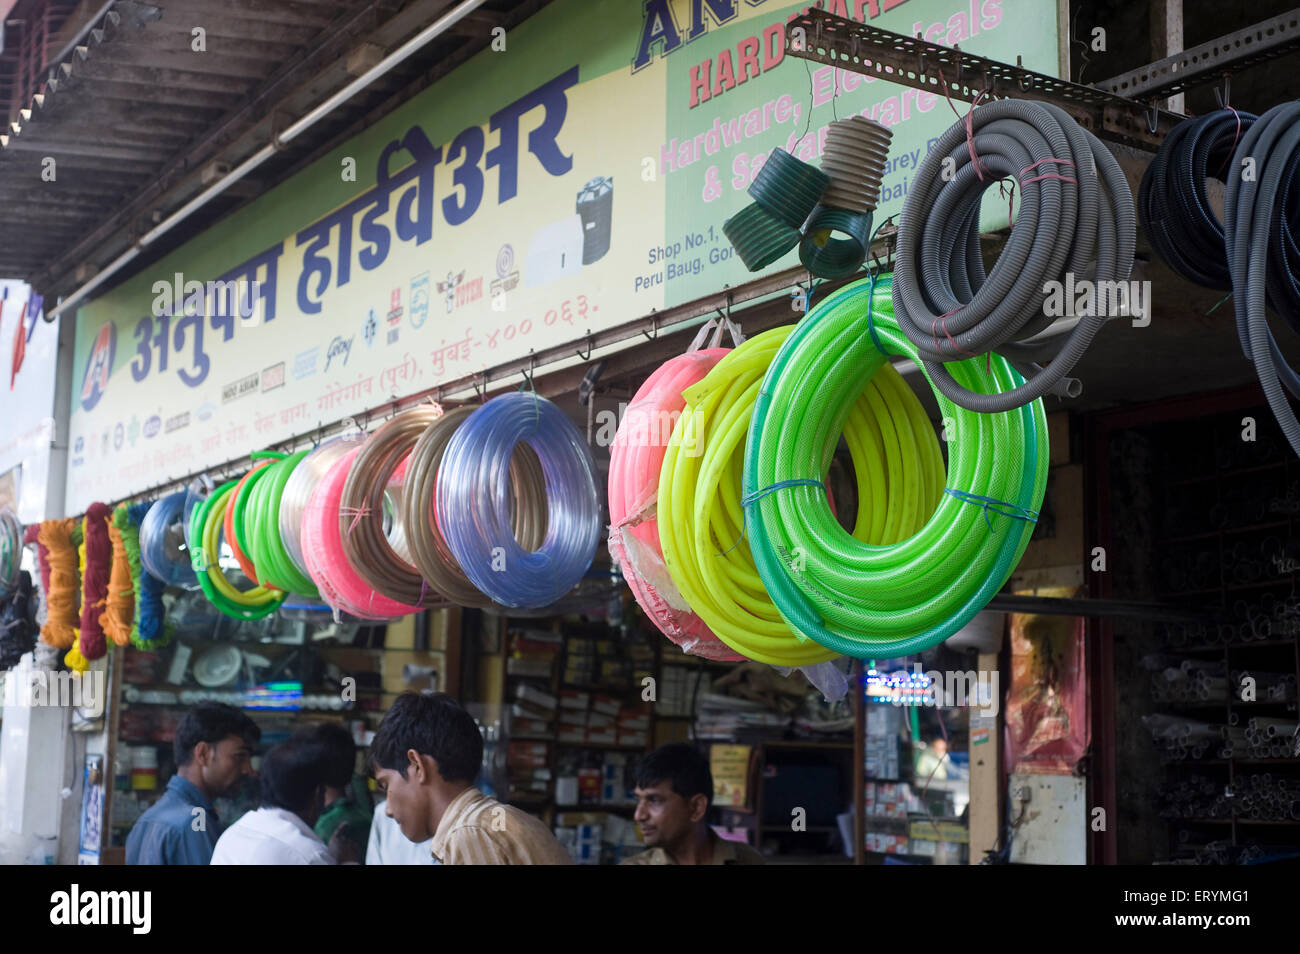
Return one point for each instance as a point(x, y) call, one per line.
point(571, 181)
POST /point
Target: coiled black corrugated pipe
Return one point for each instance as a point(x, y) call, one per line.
point(1261, 227)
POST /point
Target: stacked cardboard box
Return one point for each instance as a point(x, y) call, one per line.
point(886, 843)
point(678, 685)
point(890, 800)
point(533, 652)
point(884, 722)
point(532, 715)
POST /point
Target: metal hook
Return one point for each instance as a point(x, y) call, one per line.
point(316, 443)
point(392, 410)
point(474, 383)
point(653, 333)
point(587, 356)
point(1223, 97)
point(1152, 119)
point(532, 366)
point(1023, 80)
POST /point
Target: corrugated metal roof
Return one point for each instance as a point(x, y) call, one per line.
point(136, 116)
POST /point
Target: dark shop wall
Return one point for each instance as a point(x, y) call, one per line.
point(1129, 45)
point(1134, 500)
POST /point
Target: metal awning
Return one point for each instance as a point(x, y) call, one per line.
point(137, 120)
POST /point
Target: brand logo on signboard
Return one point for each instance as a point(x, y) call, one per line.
point(448, 289)
point(507, 275)
point(458, 291)
point(242, 388)
point(273, 377)
point(133, 430)
point(304, 363)
point(152, 426)
point(419, 299)
point(206, 411)
point(99, 365)
point(79, 446)
point(177, 422)
point(395, 307)
point(119, 435)
point(369, 328)
point(340, 347)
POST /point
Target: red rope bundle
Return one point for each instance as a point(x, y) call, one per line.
point(60, 629)
point(94, 592)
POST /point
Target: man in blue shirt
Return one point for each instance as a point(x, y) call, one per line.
point(214, 747)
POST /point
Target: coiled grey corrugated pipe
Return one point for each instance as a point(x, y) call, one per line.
point(1254, 217)
point(946, 305)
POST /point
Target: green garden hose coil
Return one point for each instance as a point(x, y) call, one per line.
point(884, 601)
point(897, 463)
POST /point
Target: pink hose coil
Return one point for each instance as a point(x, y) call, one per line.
point(635, 460)
point(327, 564)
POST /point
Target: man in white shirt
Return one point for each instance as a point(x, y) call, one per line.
point(388, 846)
point(292, 779)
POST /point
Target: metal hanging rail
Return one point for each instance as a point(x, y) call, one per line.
point(911, 61)
point(1211, 61)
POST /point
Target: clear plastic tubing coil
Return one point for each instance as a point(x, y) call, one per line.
point(474, 501)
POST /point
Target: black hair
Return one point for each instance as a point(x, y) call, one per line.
point(435, 725)
point(293, 770)
point(211, 722)
point(681, 764)
point(340, 752)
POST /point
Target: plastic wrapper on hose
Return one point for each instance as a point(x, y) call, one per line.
point(1260, 222)
point(162, 542)
point(636, 457)
point(911, 587)
point(298, 488)
point(1075, 223)
point(474, 501)
point(322, 542)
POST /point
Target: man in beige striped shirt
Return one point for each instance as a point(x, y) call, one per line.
point(426, 756)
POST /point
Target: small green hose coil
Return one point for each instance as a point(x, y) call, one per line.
point(757, 237)
point(828, 257)
point(788, 188)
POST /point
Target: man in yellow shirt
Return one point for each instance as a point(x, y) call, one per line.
point(674, 789)
point(426, 756)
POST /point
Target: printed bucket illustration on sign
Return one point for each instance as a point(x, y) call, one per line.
point(596, 206)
